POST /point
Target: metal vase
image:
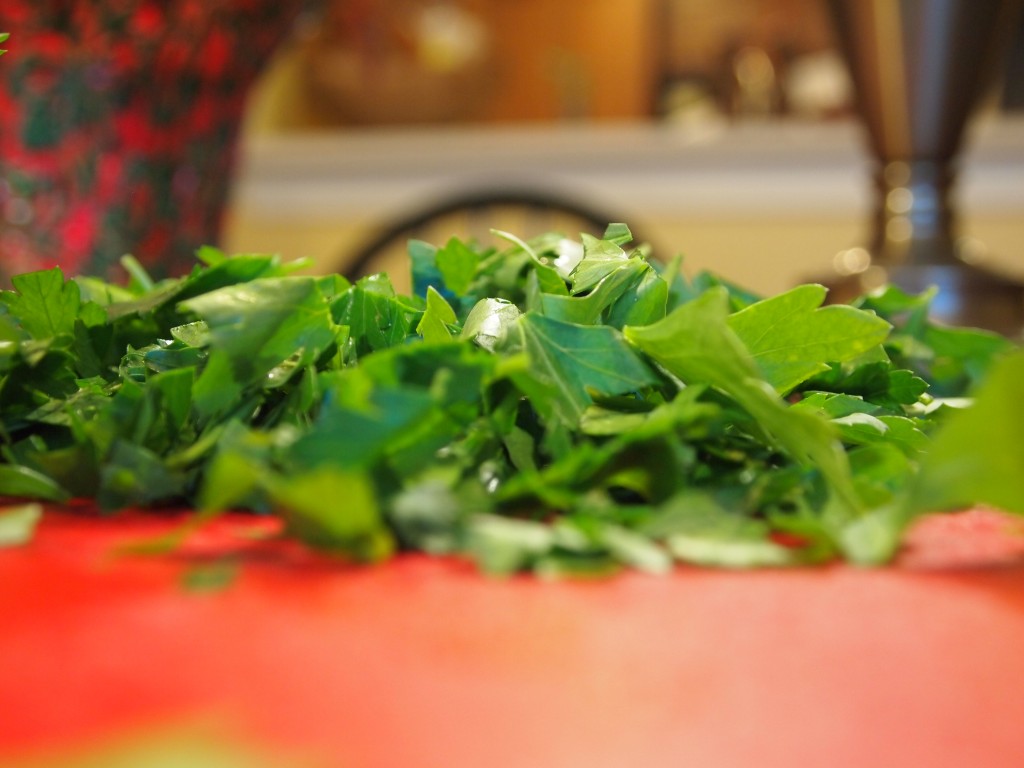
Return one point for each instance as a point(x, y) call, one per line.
point(919, 69)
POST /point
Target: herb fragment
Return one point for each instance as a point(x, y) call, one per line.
point(555, 406)
point(18, 524)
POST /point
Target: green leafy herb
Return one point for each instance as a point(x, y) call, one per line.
point(574, 362)
point(791, 337)
point(978, 456)
point(18, 524)
point(555, 406)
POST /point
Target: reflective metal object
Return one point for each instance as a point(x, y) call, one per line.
point(919, 68)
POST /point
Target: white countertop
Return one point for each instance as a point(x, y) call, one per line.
point(772, 168)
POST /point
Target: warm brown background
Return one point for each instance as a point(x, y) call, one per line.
point(555, 60)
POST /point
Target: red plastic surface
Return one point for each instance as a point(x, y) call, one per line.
point(423, 662)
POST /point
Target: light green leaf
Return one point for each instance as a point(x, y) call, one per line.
point(18, 524)
point(195, 334)
point(43, 303)
point(904, 387)
point(872, 538)
point(977, 457)
point(488, 322)
point(24, 482)
point(792, 338)
point(729, 553)
point(501, 546)
point(860, 427)
point(646, 303)
point(617, 233)
point(600, 259)
point(457, 264)
point(586, 310)
point(333, 509)
point(698, 530)
point(633, 549)
point(834, 405)
point(433, 326)
point(695, 343)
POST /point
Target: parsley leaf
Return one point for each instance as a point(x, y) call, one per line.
point(791, 337)
point(43, 304)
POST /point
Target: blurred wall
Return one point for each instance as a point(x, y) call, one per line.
point(540, 60)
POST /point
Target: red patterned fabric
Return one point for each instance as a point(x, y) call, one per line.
point(118, 121)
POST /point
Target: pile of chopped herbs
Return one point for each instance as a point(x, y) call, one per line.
point(555, 406)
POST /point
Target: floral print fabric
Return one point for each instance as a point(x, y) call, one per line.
point(118, 122)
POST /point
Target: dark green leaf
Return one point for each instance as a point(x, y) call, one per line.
point(24, 482)
point(576, 362)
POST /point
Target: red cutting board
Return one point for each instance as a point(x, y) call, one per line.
point(423, 662)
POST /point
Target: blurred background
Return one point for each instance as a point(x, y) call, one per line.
point(720, 129)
